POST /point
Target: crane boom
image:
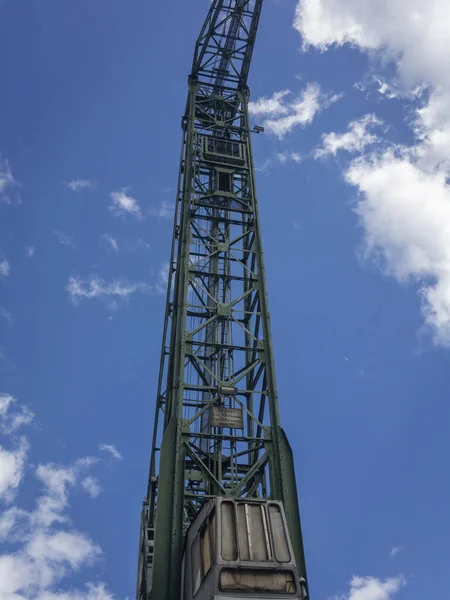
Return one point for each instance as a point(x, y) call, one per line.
point(216, 429)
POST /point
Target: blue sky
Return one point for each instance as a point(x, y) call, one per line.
point(355, 212)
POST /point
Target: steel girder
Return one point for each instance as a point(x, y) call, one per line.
point(216, 428)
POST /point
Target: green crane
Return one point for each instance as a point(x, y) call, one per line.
point(217, 437)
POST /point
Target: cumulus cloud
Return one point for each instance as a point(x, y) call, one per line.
point(77, 184)
point(412, 33)
point(371, 588)
point(4, 267)
point(403, 188)
point(29, 251)
point(112, 450)
point(356, 139)
point(110, 241)
point(122, 203)
point(282, 112)
point(165, 210)
point(40, 546)
point(7, 184)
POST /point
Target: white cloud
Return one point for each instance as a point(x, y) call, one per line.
point(11, 421)
point(4, 267)
point(5, 314)
point(12, 459)
point(108, 239)
point(57, 481)
point(270, 106)
point(284, 157)
point(7, 184)
point(79, 184)
point(404, 197)
point(138, 244)
point(396, 550)
point(165, 210)
point(93, 591)
point(163, 274)
point(405, 212)
point(29, 251)
point(64, 239)
point(371, 588)
point(279, 157)
point(92, 486)
point(413, 33)
point(288, 114)
point(62, 547)
point(162, 279)
point(47, 548)
point(94, 287)
point(123, 203)
point(356, 139)
point(12, 465)
point(112, 450)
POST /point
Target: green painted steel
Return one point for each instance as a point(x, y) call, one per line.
point(216, 428)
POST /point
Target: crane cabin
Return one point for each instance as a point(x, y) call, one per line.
point(239, 549)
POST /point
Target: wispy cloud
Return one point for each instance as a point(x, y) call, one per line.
point(122, 203)
point(77, 184)
point(4, 267)
point(165, 210)
point(279, 158)
point(29, 251)
point(284, 157)
point(138, 244)
point(112, 450)
point(274, 105)
point(95, 287)
point(5, 314)
point(64, 239)
point(356, 139)
point(110, 241)
point(92, 486)
point(285, 112)
point(163, 278)
point(396, 550)
point(7, 184)
point(11, 421)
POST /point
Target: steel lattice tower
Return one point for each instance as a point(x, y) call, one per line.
point(216, 427)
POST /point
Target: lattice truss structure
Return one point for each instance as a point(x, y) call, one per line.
point(216, 428)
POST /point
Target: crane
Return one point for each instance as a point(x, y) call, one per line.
point(220, 518)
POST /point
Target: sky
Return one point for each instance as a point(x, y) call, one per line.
point(352, 179)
